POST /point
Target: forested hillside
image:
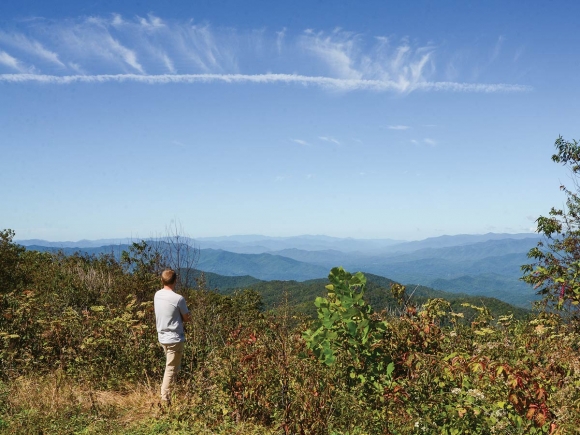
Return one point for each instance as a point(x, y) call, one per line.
point(378, 294)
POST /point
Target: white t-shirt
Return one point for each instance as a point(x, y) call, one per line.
point(169, 309)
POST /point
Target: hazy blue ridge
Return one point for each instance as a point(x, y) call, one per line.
point(511, 291)
point(78, 244)
point(457, 240)
point(241, 244)
point(114, 250)
point(382, 247)
point(307, 243)
point(327, 257)
point(422, 270)
point(425, 269)
point(494, 276)
point(472, 251)
point(257, 243)
point(261, 266)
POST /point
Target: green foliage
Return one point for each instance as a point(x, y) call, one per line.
point(453, 380)
point(349, 335)
point(556, 270)
point(11, 274)
point(145, 264)
point(349, 338)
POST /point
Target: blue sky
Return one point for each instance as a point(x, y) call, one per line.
point(354, 119)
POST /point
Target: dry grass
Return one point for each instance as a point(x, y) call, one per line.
point(54, 394)
point(45, 405)
point(135, 404)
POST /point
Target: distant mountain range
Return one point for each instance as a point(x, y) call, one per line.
point(487, 264)
point(262, 244)
point(79, 244)
point(253, 244)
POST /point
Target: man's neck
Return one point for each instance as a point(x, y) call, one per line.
point(169, 287)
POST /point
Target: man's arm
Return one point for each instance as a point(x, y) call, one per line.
point(185, 314)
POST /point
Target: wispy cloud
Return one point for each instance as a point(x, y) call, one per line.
point(145, 31)
point(11, 62)
point(300, 141)
point(31, 46)
point(167, 62)
point(337, 50)
point(117, 20)
point(497, 48)
point(347, 56)
point(280, 39)
point(426, 141)
point(92, 43)
point(519, 53)
point(151, 23)
point(128, 56)
point(329, 139)
point(398, 127)
point(153, 50)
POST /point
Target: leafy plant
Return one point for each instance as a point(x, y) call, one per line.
point(11, 274)
point(556, 270)
point(348, 334)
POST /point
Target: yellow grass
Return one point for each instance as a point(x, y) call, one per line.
point(53, 394)
point(135, 409)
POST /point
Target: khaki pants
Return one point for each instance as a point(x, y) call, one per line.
point(173, 354)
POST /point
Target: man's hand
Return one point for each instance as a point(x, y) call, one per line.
point(186, 317)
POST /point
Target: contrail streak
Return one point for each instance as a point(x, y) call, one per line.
point(318, 81)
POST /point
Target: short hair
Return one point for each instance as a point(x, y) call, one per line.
point(168, 277)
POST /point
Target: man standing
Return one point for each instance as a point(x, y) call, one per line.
point(170, 313)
